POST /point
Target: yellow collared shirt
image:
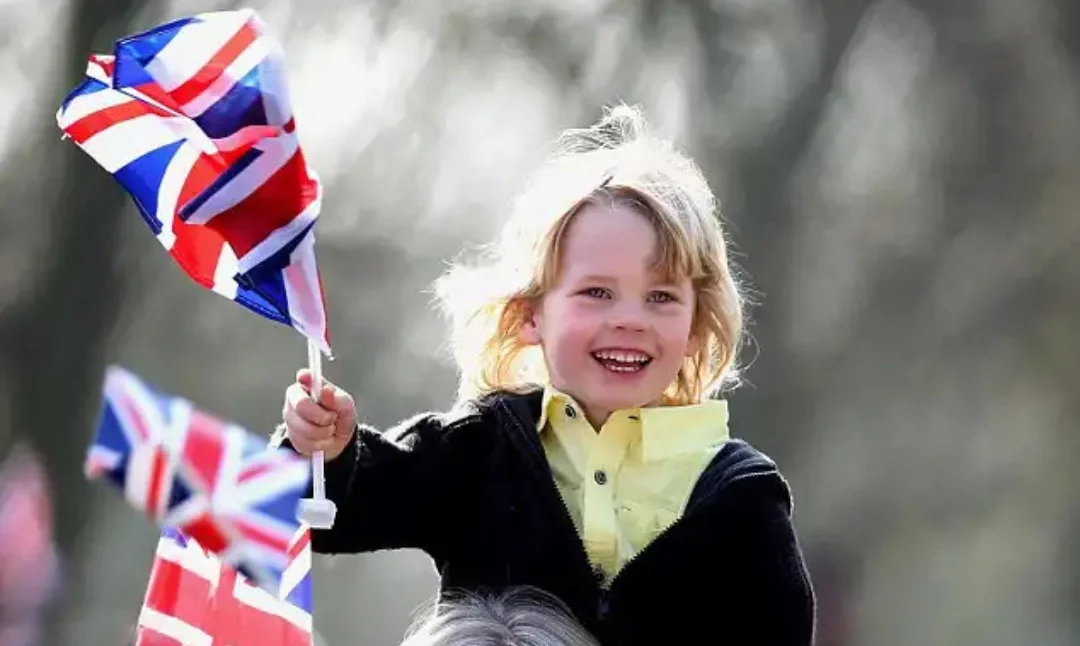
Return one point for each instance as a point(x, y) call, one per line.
point(630, 481)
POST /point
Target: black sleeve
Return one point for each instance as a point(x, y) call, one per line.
point(762, 593)
point(398, 489)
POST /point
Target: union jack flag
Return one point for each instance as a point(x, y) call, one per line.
point(194, 121)
point(195, 600)
point(213, 481)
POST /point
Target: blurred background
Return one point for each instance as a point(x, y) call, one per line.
point(900, 178)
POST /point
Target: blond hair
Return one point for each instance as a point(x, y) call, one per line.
point(616, 162)
point(520, 616)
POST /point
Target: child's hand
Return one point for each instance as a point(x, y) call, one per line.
point(327, 425)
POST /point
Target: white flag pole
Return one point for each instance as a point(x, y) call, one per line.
point(317, 511)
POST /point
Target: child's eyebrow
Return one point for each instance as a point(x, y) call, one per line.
point(657, 282)
point(596, 278)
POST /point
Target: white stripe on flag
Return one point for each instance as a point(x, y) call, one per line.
point(123, 143)
point(176, 174)
point(276, 153)
point(87, 104)
point(143, 479)
point(262, 600)
point(304, 294)
point(173, 628)
point(298, 568)
point(192, 557)
point(193, 47)
point(96, 70)
point(244, 63)
point(275, 92)
point(225, 273)
point(287, 474)
point(246, 136)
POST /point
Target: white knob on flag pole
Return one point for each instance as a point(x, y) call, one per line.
point(317, 511)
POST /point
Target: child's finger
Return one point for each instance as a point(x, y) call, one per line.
point(295, 398)
point(301, 430)
point(343, 401)
point(303, 381)
point(326, 397)
point(311, 412)
point(295, 394)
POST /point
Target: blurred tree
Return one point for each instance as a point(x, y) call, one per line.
point(777, 396)
point(53, 338)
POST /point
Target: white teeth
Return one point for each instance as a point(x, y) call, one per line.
point(623, 356)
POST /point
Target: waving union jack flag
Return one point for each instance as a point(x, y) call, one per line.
point(193, 599)
point(193, 119)
point(213, 481)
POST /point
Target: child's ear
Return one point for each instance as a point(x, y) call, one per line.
point(530, 323)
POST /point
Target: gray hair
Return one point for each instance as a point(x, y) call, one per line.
point(517, 617)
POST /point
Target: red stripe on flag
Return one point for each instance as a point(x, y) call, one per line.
point(149, 637)
point(216, 66)
point(302, 542)
point(155, 92)
point(205, 529)
point(271, 206)
point(134, 415)
point(103, 119)
point(206, 169)
point(107, 63)
point(253, 471)
point(197, 249)
point(177, 592)
point(204, 449)
point(156, 502)
point(265, 538)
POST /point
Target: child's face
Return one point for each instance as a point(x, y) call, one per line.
point(613, 332)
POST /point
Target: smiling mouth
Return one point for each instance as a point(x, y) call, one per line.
point(622, 361)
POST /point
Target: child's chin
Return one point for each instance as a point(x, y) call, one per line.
point(608, 400)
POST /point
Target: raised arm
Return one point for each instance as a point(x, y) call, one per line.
point(399, 489)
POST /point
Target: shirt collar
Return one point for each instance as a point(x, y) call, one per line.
point(666, 431)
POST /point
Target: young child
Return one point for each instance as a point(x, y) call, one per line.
point(585, 456)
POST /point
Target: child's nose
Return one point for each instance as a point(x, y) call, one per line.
point(628, 318)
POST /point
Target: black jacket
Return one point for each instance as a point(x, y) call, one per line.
point(474, 490)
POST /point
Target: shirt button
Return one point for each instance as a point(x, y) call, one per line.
point(570, 412)
point(600, 477)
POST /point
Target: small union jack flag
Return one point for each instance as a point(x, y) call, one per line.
point(194, 121)
point(194, 599)
point(214, 481)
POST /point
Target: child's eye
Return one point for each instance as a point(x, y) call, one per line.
point(661, 297)
point(596, 292)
